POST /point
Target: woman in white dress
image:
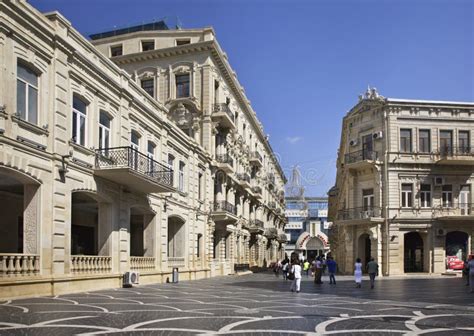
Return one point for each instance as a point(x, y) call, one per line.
point(358, 272)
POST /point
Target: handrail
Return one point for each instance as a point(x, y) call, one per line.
point(360, 155)
point(225, 158)
point(359, 213)
point(225, 206)
point(456, 151)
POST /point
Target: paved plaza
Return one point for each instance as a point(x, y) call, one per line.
point(256, 304)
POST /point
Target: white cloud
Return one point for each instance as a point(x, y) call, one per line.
point(293, 140)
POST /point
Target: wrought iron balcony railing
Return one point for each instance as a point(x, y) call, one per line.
point(448, 151)
point(225, 158)
point(453, 209)
point(359, 213)
point(222, 107)
point(360, 155)
point(272, 205)
point(225, 206)
point(243, 177)
point(256, 223)
point(129, 157)
point(255, 156)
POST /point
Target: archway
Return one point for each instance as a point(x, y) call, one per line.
point(413, 252)
point(456, 244)
point(314, 248)
point(364, 248)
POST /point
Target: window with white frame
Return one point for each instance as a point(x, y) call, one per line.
point(181, 176)
point(405, 141)
point(79, 118)
point(447, 195)
point(151, 155)
point(135, 141)
point(148, 85)
point(171, 167)
point(104, 130)
point(182, 86)
point(407, 195)
point(425, 195)
point(368, 199)
point(27, 94)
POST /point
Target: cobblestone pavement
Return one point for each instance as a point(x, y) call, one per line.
point(257, 304)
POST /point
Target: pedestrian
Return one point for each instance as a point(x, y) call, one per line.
point(276, 268)
point(296, 274)
point(318, 271)
point(332, 268)
point(284, 268)
point(358, 273)
point(465, 271)
point(373, 270)
point(470, 265)
point(306, 267)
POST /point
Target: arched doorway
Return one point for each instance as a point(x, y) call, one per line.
point(413, 252)
point(456, 244)
point(364, 248)
point(314, 248)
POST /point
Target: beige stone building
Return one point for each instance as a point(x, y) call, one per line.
point(404, 183)
point(138, 151)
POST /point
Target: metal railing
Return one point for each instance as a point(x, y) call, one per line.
point(90, 264)
point(453, 209)
point(225, 158)
point(256, 223)
point(448, 151)
point(142, 263)
point(359, 213)
point(255, 156)
point(12, 264)
point(272, 205)
point(129, 157)
point(282, 238)
point(222, 107)
point(360, 155)
point(225, 206)
point(243, 177)
point(271, 233)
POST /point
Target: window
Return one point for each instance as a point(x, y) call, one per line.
point(116, 51)
point(446, 142)
point(148, 45)
point(425, 196)
point(447, 196)
point(104, 130)
point(463, 142)
point(27, 94)
point(198, 245)
point(182, 86)
point(135, 140)
point(181, 176)
point(424, 143)
point(368, 199)
point(405, 140)
point(200, 184)
point(183, 42)
point(216, 92)
point(149, 86)
point(150, 153)
point(79, 113)
point(465, 199)
point(171, 166)
point(367, 147)
point(407, 195)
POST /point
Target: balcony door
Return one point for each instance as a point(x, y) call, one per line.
point(368, 203)
point(446, 142)
point(367, 147)
point(465, 200)
point(463, 142)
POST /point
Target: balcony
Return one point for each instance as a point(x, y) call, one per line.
point(360, 214)
point(256, 226)
point(271, 178)
point(463, 155)
point(244, 180)
point(223, 115)
point(282, 238)
point(225, 163)
point(360, 159)
point(454, 212)
point(271, 233)
point(272, 205)
point(225, 212)
point(256, 159)
point(129, 167)
point(257, 191)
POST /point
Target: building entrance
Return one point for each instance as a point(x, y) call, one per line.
point(413, 254)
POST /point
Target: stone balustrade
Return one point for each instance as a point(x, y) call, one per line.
point(90, 264)
point(176, 262)
point(142, 263)
point(12, 264)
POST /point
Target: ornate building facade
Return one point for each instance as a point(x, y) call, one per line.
point(403, 185)
point(138, 151)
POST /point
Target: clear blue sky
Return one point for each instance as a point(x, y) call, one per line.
point(303, 63)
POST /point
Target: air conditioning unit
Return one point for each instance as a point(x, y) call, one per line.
point(353, 142)
point(439, 181)
point(131, 278)
point(377, 135)
point(440, 232)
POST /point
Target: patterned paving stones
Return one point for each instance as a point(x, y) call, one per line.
point(256, 304)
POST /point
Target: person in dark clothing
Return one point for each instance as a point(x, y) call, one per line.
point(332, 267)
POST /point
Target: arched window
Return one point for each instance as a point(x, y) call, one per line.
point(104, 130)
point(27, 94)
point(79, 117)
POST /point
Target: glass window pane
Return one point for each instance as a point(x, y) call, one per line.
point(21, 99)
point(106, 139)
point(27, 75)
point(78, 104)
point(104, 119)
point(406, 187)
point(32, 105)
point(82, 130)
point(74, 127)
point(425, 187)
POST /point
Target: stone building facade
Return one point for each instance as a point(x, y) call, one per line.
point(403, 186)
point(144, 161)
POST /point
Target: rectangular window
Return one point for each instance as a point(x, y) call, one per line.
point(463, 142)
point(116, 51)
point(171, 167)
point(367, 147)
point(149, 86)
point(446, 142)
point(447, 196)
point(181, 176)
point(200, 185)
point(79, 113)
point(407, 195)
point(148, 45)
point(182, 86)
point(198, 245)
point(424, 141)
point(368, 198)
point(465, 199)
point(405, 140)
point(151, 155)
point(27, 94)
point(104, 130)
point(425, 196)
point(183, 42)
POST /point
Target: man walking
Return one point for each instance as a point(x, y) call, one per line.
point(373, 270)
point(306, 265)
point(296, 271)
point(332, 267)
point(318, 272)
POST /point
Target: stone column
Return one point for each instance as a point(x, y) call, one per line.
point(30, 219)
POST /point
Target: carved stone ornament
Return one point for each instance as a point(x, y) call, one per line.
point(371, 94)
point(182, 116)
